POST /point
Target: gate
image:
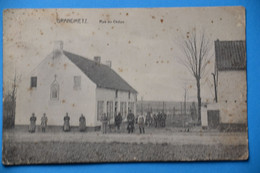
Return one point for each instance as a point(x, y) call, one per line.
point(213, 119)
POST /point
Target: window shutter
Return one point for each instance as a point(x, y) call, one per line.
point(77, 82)
point(33, 82)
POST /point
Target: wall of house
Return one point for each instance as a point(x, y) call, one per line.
point(204, 117)
point(38, 100)
point(110, 95)
point(232, 96)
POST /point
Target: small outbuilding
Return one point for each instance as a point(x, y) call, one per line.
point(230, 108)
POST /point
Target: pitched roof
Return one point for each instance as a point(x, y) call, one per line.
point(230, 55)
point(102, 75)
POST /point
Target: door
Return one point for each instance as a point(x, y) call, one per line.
point(213, 119)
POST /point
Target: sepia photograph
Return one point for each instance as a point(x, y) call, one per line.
point(124, 85)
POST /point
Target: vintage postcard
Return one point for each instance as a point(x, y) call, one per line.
point(124, 85)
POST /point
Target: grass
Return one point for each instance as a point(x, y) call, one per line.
point(79, 152)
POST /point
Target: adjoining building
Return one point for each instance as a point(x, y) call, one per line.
point(68, 83)
point(229, 112)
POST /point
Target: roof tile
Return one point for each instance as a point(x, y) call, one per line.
point(230, 55)
point(102, 75)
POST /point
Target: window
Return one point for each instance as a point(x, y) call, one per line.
point(131, 106)
point(116, 93)
point(55, 91)
point(33, 82)
point(116, 106)
point(77, 82)
point(110, 110)
point(123, 110)
point(129, 95)
point(100, 109)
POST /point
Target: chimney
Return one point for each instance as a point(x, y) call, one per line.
point(97, 59)
point(57, 49)
point(109, 63)
point(58, 45)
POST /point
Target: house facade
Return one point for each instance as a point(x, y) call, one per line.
point(230, 108)
point(68, 83)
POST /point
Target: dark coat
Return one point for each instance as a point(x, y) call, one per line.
point(82, 123)
point(66, 126)
point(118, 119)
point(130, 118)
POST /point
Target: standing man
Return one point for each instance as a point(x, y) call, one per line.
point(164, 119)
point(104, 120)
point(141, 123)
point(155, 118)
point(148, 119)
point(160, 119)
point(130, 121)
point(118, 121)
point(66, 126)
point(82, 123)
point(44, 121)
point(32, 126)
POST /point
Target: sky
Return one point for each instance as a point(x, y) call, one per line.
point(144, 45)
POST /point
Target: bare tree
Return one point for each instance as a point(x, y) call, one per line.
point(196, 53)
point(9, 104)
point(185, 100)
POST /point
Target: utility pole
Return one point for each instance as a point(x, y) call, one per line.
point(142, 105)
point(181, 108)
point(163, 106)
point(215, 87)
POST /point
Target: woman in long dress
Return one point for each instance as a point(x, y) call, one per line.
point(44, 121)
point(66, 126)
point(32, 125)
point(82, 123)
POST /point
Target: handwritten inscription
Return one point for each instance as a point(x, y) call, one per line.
point(111, 21)
point(72, 20)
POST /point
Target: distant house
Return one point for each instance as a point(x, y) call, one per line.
point(68, 83)
point(230, 111)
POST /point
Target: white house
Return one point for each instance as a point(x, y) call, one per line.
point(68, 83)
point(231, 106)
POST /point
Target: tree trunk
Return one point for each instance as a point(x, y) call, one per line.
point(199, 100)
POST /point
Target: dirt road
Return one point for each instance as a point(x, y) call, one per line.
point(176, 138)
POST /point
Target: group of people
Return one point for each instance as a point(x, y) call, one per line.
point(104, 121)
point(66, 125)
point(118, 121)
point(33, 119)
point(157, 119)
point(141, 120)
